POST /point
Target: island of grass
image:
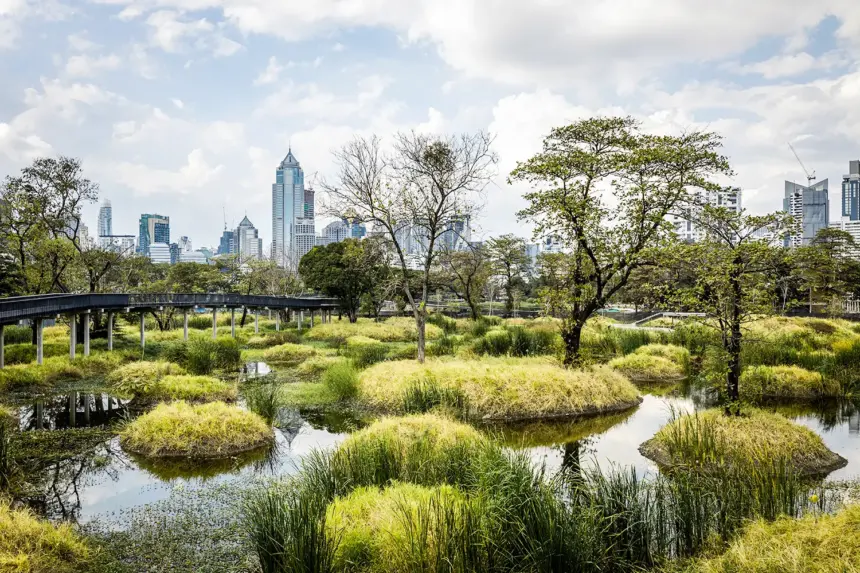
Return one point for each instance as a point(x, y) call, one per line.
point(709, 438)
point(654, 362)
point(288, 354)
point(814, 543)
point(211, 430)
point(29, 544)
point(758, 382)
point(396, 329)
point(496, 388)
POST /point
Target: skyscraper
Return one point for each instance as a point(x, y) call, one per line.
point(248, 244)
point(685, 221)
point(105, 221)
point(293, 229)
point(810, 208)
point(851, 192)
point(153, 229)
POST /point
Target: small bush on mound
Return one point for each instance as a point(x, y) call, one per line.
point(274, 339)
point(365, 351)
point(306, 395)
point(51, 371)
point(647, 367)
point(191, 388)
point(396, 329)
point(374, 528)
point(179, 429)
point(710, 438)
point(32, 545)
point(288, 354)
point(826, 544)
point(786, 382)
point(677, 354)
point(494, 388)
point(316, 365)
point(205, 355)
point(138, 377)
point(341, 379)
point(517, 341)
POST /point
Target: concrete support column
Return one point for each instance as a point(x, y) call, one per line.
point(256, 321)
point(233, 322)
point(185, 325)
point(278, 321)
point(2, 348)
point(142, 331)
point(39, 340)
point(301, 316)
point(87, 333)
point(110, 330)
point(312, 318)
point(270, 313)
point(214, 323)
point(73, 409)
point(73, 336)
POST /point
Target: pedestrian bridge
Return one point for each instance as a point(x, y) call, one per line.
point(39, 307)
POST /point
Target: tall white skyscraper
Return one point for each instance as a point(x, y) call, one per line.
point(105, 223)
point(247, 241)
point(293, 228)
point(810, 207)
point(685, 221)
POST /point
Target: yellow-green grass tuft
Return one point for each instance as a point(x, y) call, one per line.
point(306, 395)
point(51, 371)
point(395, 329)
point(180, 429)
point(709, 438)
point(786, 382)
point(432, 432)
point(502, 388)
point(316, 365)
point(288, 354)
point(190, 388)
point(677, 354)
point(812, 544)
point(32, 545)
point(647, 367)
point(373, 526)
point(137, 377)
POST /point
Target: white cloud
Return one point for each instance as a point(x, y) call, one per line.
point(787, 65)
point(80, 43)
point(270, 74)
point(338, 47)
point(177, 103)
point(83, 65)
point(310, 102)
point(147, 180)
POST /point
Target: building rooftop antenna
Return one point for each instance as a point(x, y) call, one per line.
point(810, 177)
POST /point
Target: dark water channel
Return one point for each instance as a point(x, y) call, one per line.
point(76, 469)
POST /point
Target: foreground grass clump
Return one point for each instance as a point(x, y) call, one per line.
point(375, 528)
point(395, 329)
point(365, 351)
point(288, 354)
point(647, 367)
point(677, 354)
point(190, 388)
point(316, 364)
point(306, 395)
point(496, 388)
point(786, 382)
point(518, 341)
point(138, 377)
point(828, 543)
point(51, 371)
point(436, 434)
point(710, 438)
point(210, 430)
point(341, 378)
point(28, 544)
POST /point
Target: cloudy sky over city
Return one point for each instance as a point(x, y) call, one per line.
point(185, 107)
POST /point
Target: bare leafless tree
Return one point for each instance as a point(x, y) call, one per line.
point(423, 188)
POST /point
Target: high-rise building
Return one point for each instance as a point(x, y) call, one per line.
point(853, 229)
point(336, 232)
point(685, 220)
point(174, 253)
point(851, 192)
point(153, 229)
point(198, 257)
point(293, 229)
point(227, 245)
point(458, 235)
point(105, 222)
point(159, 253)
point(248, 244)
point(809, 206)
point(123, 244)
point(185, 245)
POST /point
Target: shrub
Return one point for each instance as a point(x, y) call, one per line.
point(288, 354)
point(785, 382)
point(448, 325)
point(711, 438)
point(444, 346)
point(677, 354)
point(265, 401)
point(138, 377)
point(827, 543)
point(316, 364)
point(190, 388)
point(341, 379)
point(210, 430)
point(17, 335)
point(29, 544)
point(205, 355)
point(647, 367)
point(513, 388)
point(365, 351)
point(274, 339)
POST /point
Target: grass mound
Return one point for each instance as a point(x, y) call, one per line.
point(710, 438)
point(28, 544)
point(341, 379)
point(273, 339)
point(212, 430)
point(433, 432)
point(496, 388)
point(288, 354)
point(374, 528)
point(138, 377)
point(786, 382)
point(365, 351)
point(828, 543)
point(316, 364)
point(647, 367)
point(191, 388)
point(52, 370)
point(397, 329)
point(677, 354)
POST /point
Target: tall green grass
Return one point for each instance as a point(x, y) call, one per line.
point(341, 379)
point(517, 341)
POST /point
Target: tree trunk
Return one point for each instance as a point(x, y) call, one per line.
point(733, 347)
point(244, 314)
point(509, 299)
point(420, 322)
point(571, 334)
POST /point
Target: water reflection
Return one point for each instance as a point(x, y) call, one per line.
point(255, 370)
point(75, 410)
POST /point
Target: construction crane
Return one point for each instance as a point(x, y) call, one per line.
point(810, 177)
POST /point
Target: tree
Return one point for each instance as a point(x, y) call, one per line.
point(422, 189)
point(510, 261)
point(648, 176)
point(825, 265)
point(465, 274)
point(732, 267)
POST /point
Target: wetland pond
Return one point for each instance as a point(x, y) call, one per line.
point(75, 469)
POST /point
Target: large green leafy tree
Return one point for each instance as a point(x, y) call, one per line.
point(510, 262)
point(648, 176)
point(345, 270)
point(733, 268)
point(826, 268)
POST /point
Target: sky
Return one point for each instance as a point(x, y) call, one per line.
point(186, 107)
